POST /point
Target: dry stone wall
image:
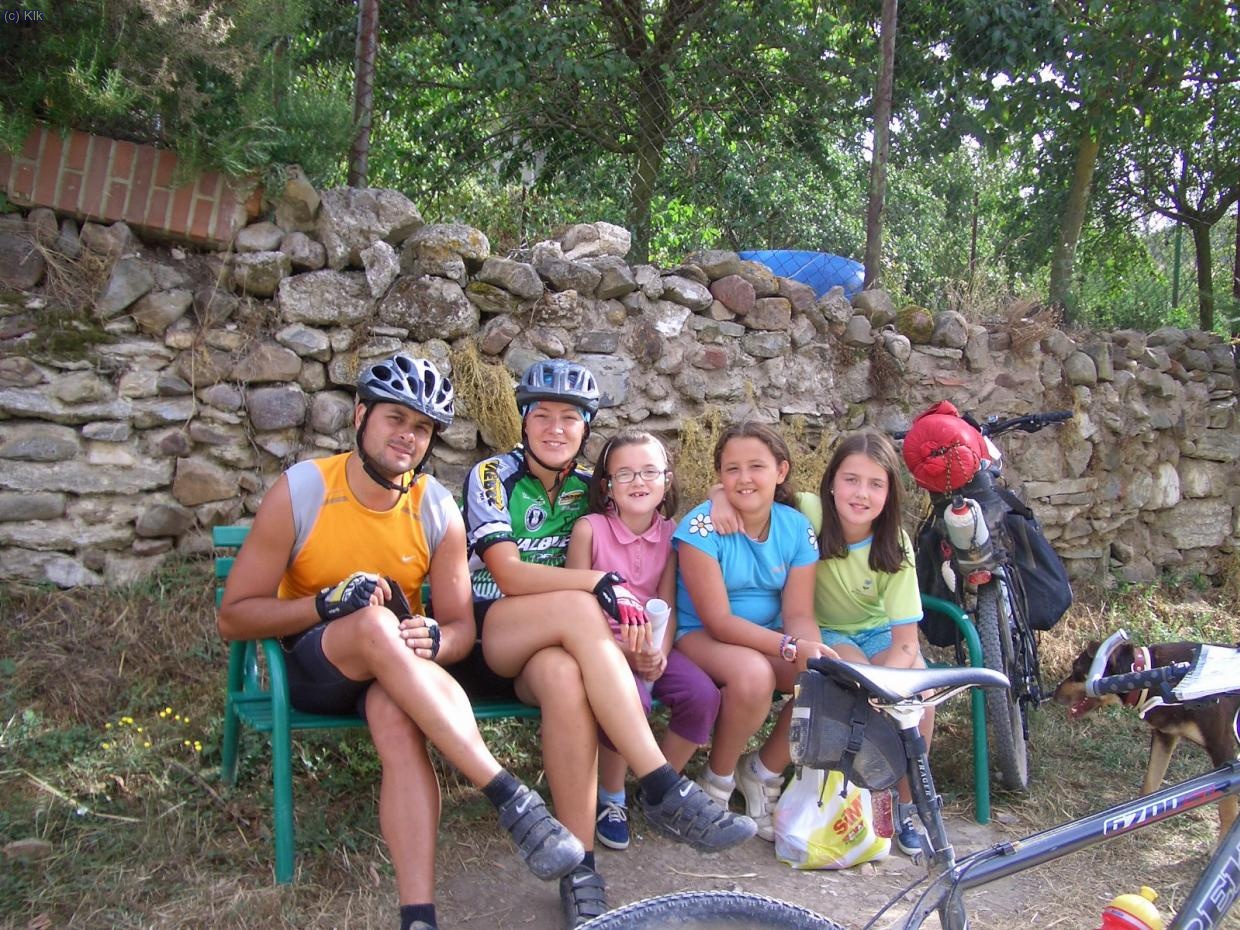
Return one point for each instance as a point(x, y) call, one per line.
point(207, 388)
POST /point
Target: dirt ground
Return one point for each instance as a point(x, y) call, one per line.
point(490, 889)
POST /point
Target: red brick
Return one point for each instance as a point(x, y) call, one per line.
point(254, 204)
point(70, 191)
point(34, 141)
point(182, 199)
point(95, 180)
point(165, 165)
point(79, 146)
point(114, 205)
point(200, 227)
point(6, 166)
point(140, 190)
point(21, 190)
point(49, 170)
point(123, 154)
point(209, 184)
point(157, 209)
point(228, 219)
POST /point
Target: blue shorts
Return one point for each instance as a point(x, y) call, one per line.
point(871, 642)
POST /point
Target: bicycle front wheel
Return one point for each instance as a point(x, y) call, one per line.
point(1004, 715)
point(711, 910)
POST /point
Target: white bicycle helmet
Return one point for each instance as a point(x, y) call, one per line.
point(411, 382)
point(558, 380)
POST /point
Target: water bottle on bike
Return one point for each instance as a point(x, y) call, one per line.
point(1133, 912)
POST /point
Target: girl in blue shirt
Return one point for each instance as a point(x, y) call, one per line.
point(745, 608)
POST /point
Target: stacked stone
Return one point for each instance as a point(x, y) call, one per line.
point(206, 391)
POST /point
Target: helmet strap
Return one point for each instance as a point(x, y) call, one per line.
point(369, 467)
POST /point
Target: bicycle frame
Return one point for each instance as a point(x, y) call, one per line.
point(1207, 904)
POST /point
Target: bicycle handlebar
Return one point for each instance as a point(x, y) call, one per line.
point(993, 426)
point(1030, 423)
point(1132, 681)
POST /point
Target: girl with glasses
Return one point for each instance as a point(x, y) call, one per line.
point(629, 530)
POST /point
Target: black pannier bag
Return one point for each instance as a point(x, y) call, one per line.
point(1041, 579)
point(939, 629)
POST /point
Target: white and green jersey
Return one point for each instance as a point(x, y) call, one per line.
point(504, 502)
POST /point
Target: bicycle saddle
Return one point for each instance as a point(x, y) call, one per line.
point(899, 684)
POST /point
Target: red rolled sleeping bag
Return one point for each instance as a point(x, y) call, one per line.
point(941, 450)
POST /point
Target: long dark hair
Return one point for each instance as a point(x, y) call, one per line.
point(785, 492)
point(886, 550)
point(600, 500)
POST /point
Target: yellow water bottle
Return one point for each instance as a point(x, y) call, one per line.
point(1133, 912)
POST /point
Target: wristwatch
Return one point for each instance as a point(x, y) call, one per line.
point(788, 649)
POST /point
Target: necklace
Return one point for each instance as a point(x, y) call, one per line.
point(761, 535)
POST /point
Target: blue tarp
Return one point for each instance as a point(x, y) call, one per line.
point(820, 270)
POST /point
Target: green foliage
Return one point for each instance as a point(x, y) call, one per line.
point(221, 81)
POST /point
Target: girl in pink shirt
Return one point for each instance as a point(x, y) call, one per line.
point(629, 530)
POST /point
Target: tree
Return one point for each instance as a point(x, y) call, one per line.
point(363, 89)
point(1184, 164)
point(626, 84)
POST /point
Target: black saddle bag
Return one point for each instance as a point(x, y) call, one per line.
point(1040, 579)
point(939, 629)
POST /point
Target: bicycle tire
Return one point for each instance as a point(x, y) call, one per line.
point(1004, 714)
point(711, 910)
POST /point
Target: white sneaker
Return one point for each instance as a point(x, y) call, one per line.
point(760, 796)
point(715, 791)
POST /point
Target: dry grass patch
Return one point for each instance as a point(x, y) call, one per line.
point(148, 838)
point(485, 392)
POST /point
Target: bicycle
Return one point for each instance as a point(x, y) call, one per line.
point(979, 575)
point(897, 698)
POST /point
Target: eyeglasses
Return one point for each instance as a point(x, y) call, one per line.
point(626, 475)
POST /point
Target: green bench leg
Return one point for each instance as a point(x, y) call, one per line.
point(981, 748)
point(232, 725)
point(281, 767)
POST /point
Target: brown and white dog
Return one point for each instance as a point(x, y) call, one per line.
point(1209, 724)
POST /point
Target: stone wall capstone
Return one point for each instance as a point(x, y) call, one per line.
point(222, 369)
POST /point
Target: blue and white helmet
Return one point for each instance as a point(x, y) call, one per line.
point(411, 382)
point(558, 380)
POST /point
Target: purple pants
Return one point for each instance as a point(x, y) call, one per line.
point(688, 693)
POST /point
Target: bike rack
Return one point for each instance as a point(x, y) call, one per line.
point(981, 748)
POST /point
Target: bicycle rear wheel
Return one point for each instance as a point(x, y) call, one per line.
point(1004, 714)
point(711, 910)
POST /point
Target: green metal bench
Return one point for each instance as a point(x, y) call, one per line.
point(267, 710)
point(981, 748)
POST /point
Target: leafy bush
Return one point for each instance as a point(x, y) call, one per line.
point(220, 81)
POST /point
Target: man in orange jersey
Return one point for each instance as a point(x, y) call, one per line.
point(335, 548)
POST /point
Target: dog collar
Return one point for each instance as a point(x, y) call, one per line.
point(1140, 662)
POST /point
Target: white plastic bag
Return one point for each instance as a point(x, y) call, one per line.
point(816, 828)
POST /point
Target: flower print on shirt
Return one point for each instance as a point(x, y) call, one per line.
point(701, 525)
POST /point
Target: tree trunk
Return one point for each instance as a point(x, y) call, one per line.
point(882, 127)
point(363, 90)
point(1235, 279)
point(653, 113)
point(1205, 274)
point(1064, 258)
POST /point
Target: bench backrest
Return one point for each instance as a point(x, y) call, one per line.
point(227, 538)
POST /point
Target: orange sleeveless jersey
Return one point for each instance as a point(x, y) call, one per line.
point(337, 536)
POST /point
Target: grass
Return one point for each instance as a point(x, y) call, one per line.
point(140, 834)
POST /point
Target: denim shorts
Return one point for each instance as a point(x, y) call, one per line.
point(871, 642)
